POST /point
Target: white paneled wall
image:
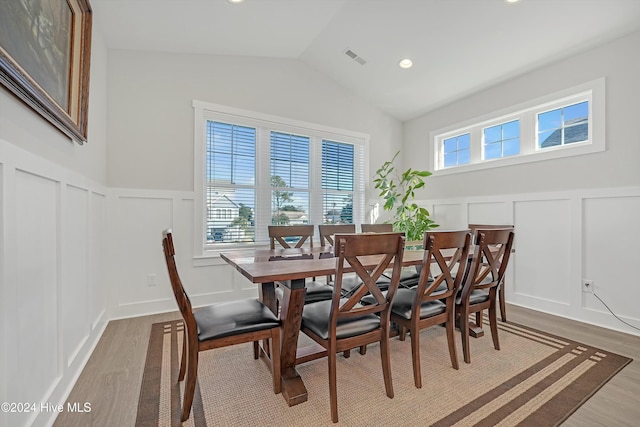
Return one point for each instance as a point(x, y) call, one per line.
point(561, 239)
point(139, 271)
point(52, 297)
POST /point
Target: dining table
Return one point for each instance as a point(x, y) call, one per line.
point(290, 268)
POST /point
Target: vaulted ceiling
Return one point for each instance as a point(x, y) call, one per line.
point(457, 46)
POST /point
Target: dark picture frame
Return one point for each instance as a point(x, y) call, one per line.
point(45, 52)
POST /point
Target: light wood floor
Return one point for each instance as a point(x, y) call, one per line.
point(111, 380)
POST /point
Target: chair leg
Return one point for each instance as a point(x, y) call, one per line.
point(451, 341)
point(190, 384)
point(333, 392)
point(183, 358)
point(256, 350)
point(415, 357)
point(346, 354)
point(363, 350)
point(493, 323)
point(503, 304)
point(479, 315)
point(385, 355)
point(464, 333)
point(402, 334)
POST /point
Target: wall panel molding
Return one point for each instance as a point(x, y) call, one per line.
point(47, 254)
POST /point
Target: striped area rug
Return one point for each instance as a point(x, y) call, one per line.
point(536, 379)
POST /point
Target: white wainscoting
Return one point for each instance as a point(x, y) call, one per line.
point(561, 239)
point(52, 293)
point(139, 272)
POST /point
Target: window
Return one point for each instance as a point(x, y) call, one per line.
point(502, 140)
point(566, 123)
point(253, 170)
point(337, 182)
point(457, 150)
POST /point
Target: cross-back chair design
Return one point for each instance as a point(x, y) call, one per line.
point(432, 302)
point(219, 325)
point(327, 231)
point(344, 323)
point(278, 233)
point(501, 290)
point(409, 276)
point(315, 291)
point(480, 290)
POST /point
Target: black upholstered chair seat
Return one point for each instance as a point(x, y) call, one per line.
point(315, 317)
point(233, 318)
point(477, 296)
point(404, 299)
point(316, 291)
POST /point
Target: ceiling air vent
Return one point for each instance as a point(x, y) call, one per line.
point(351, 54)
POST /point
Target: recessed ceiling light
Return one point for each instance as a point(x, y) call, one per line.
point(512, 1)
point(235, 1)
point(406, 63)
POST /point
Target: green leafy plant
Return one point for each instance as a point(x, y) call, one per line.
point(398, 192)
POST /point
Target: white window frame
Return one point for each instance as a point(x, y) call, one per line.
point(206, 111)
point(526, 113)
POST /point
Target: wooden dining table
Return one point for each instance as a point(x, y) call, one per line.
point(290, 268)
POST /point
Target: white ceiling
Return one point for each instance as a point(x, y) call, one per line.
point(457, 46)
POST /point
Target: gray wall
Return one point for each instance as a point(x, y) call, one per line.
point(151, 115)
point(618, 62)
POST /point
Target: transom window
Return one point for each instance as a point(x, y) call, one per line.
point(253, 170)
point(563, 124)
point(502, 140)
point(457, 150)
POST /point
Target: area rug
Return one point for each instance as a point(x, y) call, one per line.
point(536, 379)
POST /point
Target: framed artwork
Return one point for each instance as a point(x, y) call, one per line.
point(45, 48)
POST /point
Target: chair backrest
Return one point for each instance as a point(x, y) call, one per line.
point(328, 230)
point(348, 249)
point(278, 233)
point(490, 259)
point(376, 228)
point(184, 303)
point(446, 254)
point(474, 227)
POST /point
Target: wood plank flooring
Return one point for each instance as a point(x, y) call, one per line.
point(112, 377)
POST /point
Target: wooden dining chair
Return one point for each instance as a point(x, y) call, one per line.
point(432, 302)
point(409, 276)
point(344, 323)
point(480, 290)
point(501, 288)
point(327, 231)
point(219, 325)
point(376, 228)
point(285, 236)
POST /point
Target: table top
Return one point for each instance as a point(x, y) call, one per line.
point(270, 265)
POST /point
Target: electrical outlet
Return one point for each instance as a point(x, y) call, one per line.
point(588, 286)
point(151, 279)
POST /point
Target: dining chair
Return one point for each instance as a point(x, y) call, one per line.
point(344, 323)
point(327, 231)
point(285, 236)
point(376, 228)
point(409, 276)
point(480, 289)
point(501, 289)
point(432, 302)
point(219, 325)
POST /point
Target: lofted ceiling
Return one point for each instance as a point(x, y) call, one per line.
point(457, 46)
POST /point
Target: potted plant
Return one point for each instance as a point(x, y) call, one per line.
point(398, 192)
